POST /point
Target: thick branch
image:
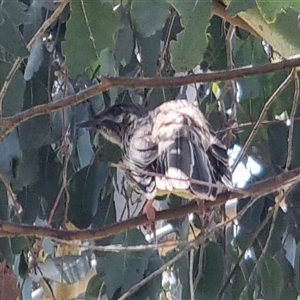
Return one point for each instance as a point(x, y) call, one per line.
point(9, 123)
point(258, 189)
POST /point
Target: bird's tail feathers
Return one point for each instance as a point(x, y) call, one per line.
point(181, 160)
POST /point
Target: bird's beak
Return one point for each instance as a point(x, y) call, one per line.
point(88, 123)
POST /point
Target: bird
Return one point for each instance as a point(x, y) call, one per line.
point(171, 149)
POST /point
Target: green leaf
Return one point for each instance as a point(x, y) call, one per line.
point(48, 181)
point(212, 272)
point(250, 221)
point(16, 11)
point(271, 277)
point(36, 93)
point(187, 51)
point(30, 205)
point(35, 59)
point(249, 51)
point(296, 143)
point(143, 13)
point(269, 9)
point(18, 244)
point(277, 140)
point(23, 266)
point(10, 152)
point(215, 53)
point(238, 283)
point(90, 29)
point(237, 6)
point(84, 190)
point(84, 147)
point(28, 168)
point(150, 51)
point(30, 137)
point(106, 212)
point(14, 98)
point(11, 39)
point(109, 152)
point(247, 267)
point(107, 68)
point(287, 26)
point(297, 264)
point(182, 270)
point(36, 18)
point(5, 246)
point(124, 41)
point(95, 288)
point(131, 265)
point(275, 241)
point(289, 292)
point(107, 63)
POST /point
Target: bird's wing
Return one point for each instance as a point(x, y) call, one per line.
point(185, 151)
point(218, 157)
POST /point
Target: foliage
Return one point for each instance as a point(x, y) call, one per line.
point(56, 174)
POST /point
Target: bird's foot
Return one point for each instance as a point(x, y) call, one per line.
point(150, 212)
point(204, 213)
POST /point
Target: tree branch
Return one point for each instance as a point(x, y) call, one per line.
point(258, 189)
point(9, 123)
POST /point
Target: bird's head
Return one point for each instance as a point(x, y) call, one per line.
point(114, 121)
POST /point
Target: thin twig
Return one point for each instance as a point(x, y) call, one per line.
point(19, 60)
point(292, 118)
point(190, 180)
point(201, 254)
point(259, 189)
point(162, 57)
point(233, 90)
point(121, 248)
point(47, 23)
point(65, 156)
point(8, 80)
point(63, 184)
point(241, 256)
point(191, 273)
point(266, 107)
point(137, 286)
point(9, 123)
point(228, 42)
point(17, 206)
point(190, 247)
point(274, 211)
point(251, 124)
point(220, 99)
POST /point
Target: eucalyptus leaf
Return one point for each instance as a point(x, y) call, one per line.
point(187, 51)
point(132, 266)
point(271, 277)
point(84, 190)
point(142, 13)
point(14, 98)
point(212, 272)
point(90, 30)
